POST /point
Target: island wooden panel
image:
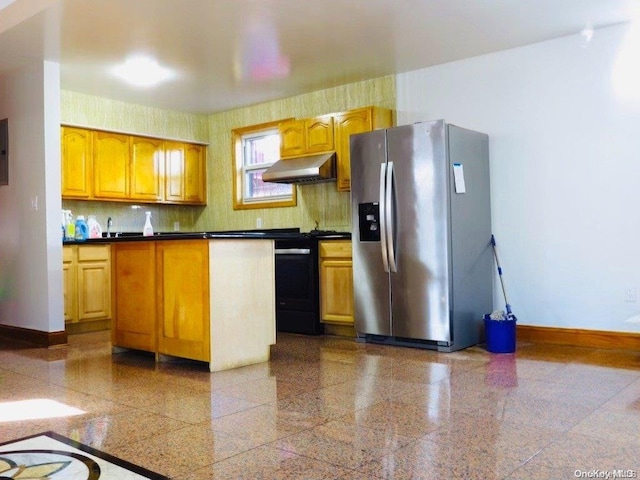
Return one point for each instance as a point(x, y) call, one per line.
point(182, 273)
point(134, 295)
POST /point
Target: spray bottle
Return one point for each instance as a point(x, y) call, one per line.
point(70, 226)
point(147, 231)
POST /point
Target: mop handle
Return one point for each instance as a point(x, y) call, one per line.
point(504, 291)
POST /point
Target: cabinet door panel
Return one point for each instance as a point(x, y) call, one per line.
point(347, 125)
point(134, 296)
point(94, 290)
point(292, 138)
point(194, 174)
point(174, 166)
point(336, 282)
point(147, 159)
point(76, 162)
point(70, 289)
point(182, 270)
point(337, 291)
point(111, 165)
point(319, 134)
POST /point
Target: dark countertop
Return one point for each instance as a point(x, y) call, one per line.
point(282, 234)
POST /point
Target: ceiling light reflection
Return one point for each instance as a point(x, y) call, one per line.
point(142, 71)
point(35, 409)
point(258, 57)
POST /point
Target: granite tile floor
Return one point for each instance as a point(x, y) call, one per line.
point(330, 408)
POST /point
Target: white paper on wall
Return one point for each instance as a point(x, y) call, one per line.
point(458, 178)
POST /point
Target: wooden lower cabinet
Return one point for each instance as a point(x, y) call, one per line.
point(86, 286)
point(134, 296)
point(182, 273)
point(70, 283)
point(336, 282)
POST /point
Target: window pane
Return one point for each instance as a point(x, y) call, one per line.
point(262, 148)
point(255, 188)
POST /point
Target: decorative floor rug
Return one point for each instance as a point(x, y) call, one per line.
point(51, 456)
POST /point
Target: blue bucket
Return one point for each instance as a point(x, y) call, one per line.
point(500, 335)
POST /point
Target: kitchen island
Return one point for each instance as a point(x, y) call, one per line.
point(202, 296)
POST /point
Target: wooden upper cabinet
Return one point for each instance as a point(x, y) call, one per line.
point(319, 134)
point(101, 165)
point(349, 123)
point(185, 173)
point(292, 138)
point(331, 132)
point(304, 136)
point(147, 162)
point(194, 174)
point(110, 165)
point(76, 162)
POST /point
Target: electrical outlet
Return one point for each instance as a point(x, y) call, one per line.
point(630, 294)
point(176, 226)
point(258, 222)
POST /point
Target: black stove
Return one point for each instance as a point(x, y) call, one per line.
point(297, 292)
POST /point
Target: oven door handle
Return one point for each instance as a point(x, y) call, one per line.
point(293, 251)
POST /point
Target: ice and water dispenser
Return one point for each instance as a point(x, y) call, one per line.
point(369, 222)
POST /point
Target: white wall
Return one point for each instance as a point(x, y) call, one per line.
point(565, 172)
point(30, 242)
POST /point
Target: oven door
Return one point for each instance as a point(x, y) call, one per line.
point(297, 308)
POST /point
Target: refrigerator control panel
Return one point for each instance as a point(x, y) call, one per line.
point(369, 222)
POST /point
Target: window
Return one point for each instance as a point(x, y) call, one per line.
point(255, 149)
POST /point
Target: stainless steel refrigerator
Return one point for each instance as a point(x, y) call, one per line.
point(421, 218)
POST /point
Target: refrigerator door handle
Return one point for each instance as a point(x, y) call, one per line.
point(383, 219)
point(390, 220)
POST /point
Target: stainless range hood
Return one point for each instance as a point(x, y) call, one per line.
point(309, 169)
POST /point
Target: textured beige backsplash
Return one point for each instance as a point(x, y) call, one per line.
point(127, 219)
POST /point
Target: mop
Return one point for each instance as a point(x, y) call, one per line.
point(510, 315)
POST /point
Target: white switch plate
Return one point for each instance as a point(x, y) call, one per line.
point(34, 203)
point(176, 226)
point(630, 294)
point(258, 222)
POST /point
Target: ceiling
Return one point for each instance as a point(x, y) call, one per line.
point(232, 53)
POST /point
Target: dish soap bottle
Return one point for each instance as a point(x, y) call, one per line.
point(147, 231)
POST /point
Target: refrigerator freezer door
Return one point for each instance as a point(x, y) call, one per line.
point(372, 310)
point(421, 287)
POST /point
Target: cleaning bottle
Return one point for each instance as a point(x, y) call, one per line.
point(82, 230)
point(70, 226)
point(64, 225)
point(147, 231)
point(95, 230)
